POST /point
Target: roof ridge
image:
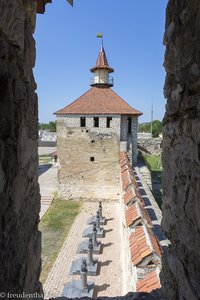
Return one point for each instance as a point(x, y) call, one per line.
point(148, 238)
point(125, 101)
point(157, 270)
point(73, 101)
point(137, 206)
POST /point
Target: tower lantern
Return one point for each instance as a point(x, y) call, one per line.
point(101, 71)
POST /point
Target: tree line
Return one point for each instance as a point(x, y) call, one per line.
point(51, 126)
point(143, 127)
point(156, 127)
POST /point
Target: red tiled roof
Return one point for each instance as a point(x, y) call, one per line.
point(124, 156)
point(135, 213)
point(99, 101)
point(102, 62)
point(138, 195)
point(126, 171)
point(149, 283)
point(143, 244)
point(126, 182)
point(125, 174)
point(133, 195)
point(129, 195)
point(124, 167)
point(128, 179)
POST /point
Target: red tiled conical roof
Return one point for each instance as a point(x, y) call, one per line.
point(99, 101)
point(102, 62)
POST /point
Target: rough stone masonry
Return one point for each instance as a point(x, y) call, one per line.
point(19, 193)
point(181, 151)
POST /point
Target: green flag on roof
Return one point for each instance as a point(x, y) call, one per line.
point(99, 35)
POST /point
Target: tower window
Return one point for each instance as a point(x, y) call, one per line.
point(92, 158)
point(96, 122)
point(82, 121)
point(109, 119)
point(129, 124)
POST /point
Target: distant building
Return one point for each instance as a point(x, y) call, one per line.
point(47, 136)
point(144, 135)
point(91, 132)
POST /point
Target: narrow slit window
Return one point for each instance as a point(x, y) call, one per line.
point(82, 121)
point(109, 119)
point(129, 124)
point(96, 122)
point(92, 158)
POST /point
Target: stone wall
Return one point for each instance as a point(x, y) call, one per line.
point(134, 130)
point(181, 151)
point(19, 192)
point(79, 176)
point(151, 145)
point(73, 121)
point(130, 138)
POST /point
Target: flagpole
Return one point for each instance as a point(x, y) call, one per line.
point(100, 35)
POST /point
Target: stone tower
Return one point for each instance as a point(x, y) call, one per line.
point(91, 132)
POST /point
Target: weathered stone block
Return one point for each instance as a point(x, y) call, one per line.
point(181, 185)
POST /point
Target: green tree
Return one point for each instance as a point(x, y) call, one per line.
point(43, 126)
point(156, 127)
point(52, 126)
point(144, 127)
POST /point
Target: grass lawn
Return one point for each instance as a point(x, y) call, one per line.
point(154, 165)
point(55, 226)
point(153, 162)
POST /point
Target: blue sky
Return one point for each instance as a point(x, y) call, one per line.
point(67, 48)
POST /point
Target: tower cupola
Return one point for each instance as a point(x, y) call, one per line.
point(101, 71)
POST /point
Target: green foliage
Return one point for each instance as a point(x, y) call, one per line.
point(51, 126)
point(43, 126)
point(153, 162)
point(156, 127)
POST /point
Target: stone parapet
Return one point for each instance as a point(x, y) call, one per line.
point(181, 151)
point(20, 241)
